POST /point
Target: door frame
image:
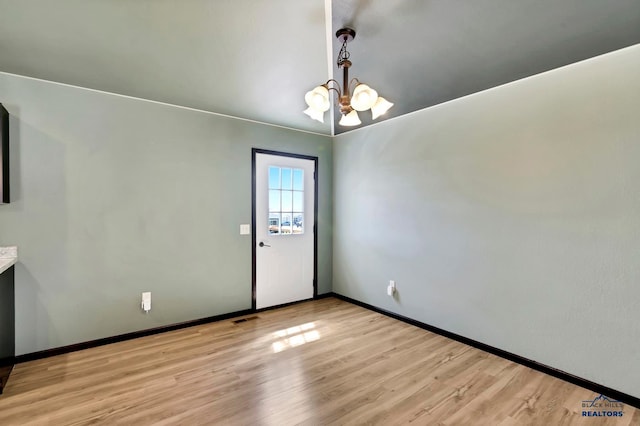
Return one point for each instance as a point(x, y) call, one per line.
point(255, 151)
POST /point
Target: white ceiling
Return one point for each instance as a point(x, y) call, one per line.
point(255, 59)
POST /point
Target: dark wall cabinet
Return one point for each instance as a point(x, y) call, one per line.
point(7, 325)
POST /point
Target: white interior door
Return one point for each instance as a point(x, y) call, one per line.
point(284, 216)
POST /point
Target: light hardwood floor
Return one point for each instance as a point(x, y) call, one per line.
point(315, 363)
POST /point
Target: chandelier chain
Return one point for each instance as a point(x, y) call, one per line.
point(343, 56)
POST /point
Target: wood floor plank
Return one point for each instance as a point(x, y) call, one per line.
point(314, 363)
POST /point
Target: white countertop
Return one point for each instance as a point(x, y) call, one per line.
point(8, 257)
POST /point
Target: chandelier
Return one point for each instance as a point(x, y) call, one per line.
point(361, 98)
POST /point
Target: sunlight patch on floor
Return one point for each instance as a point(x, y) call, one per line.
point(294, 336)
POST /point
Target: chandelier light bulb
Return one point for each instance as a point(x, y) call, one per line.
point(318, 99)
point(381, 106)
point(315, 114)
point(364, 97)
point(350, 119)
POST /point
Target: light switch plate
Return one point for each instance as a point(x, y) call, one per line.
point(245, 229)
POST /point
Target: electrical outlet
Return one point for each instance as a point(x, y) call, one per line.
point(391, 288)
point(145, 305)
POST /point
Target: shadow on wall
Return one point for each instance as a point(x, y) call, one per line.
point(38, 204)
point(33, 321)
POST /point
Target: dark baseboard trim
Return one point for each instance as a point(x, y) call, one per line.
point(325, 295)
point(148, 332)
point(587, 384)
point(567, 377)
point(127, 336)
point(284, 305)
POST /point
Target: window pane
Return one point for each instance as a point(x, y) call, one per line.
point(286, 223)
point(274, 223)
point(286, 201)
point(298, 179)
point(298, 201)
point(286, 178)
point(274, 177)
point(298, 225)
point(274, 200)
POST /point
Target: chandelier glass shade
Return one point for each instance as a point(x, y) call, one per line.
point(361, 98)
point(350, 119)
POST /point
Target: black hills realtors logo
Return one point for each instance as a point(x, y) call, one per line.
point(602, 406)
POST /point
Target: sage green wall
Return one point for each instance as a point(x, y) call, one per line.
point(511, 217)
point(113, 196)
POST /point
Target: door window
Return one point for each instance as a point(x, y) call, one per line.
point(286, 201)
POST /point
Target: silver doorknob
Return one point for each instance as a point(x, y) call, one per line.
point(263, 244)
